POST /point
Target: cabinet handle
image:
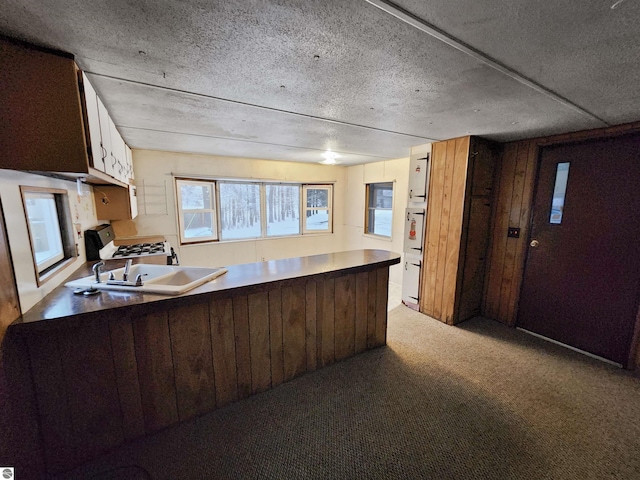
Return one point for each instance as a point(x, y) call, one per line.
point(113, 164)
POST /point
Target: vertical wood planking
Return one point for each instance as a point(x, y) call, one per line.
point(260, 344)
point(275, 336)
point(382, 293)
point(345, 316)
point(524, 223)
point(372, 308)
point(294, 331)
point(155, 371)
point(454, 234)
point(224, 350)
point(432, 233)
point(513, 221)
point(243, 346)
point(327, 326)
point(126, 367)
point(311, 342)
point(192, 359)
point(512, 208)
point(445, 220)
point(49, 382)
point(92, 392)
point(362, 293)
point(499, 234)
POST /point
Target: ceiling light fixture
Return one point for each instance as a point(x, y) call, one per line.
point(329, 158)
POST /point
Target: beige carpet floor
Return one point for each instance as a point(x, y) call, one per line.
point(478, 401)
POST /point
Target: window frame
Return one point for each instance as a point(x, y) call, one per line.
point(369, 209)
point(181, 212)
point(45, 270)
point(217, 211)
point(329, 208)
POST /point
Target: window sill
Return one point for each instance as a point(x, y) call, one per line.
point(377, 237)
point(55, 269)
point(256, 239)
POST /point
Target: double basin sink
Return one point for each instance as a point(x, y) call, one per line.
point(163, 279)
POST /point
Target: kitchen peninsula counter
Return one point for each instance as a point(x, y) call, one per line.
point(61, 305)
point(109, 368)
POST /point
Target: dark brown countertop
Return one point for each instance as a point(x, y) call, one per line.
point(61, 304)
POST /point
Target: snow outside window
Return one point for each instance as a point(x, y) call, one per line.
point(197, 213)
point(379, 209)
point(317, 206)
point(240, 212)
point(283, 210)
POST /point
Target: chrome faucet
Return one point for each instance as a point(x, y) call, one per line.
point(96, 270)
point(127, 267)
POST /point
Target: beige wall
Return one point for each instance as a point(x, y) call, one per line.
point(156, 168)
point(358, 176)
point(82, 211)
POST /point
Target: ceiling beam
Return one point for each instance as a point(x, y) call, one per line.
point(424, 26)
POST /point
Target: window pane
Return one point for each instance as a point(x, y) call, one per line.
point(317, 220)
point(380, 213)
point(239, 210)
point(381, 222)
point(559, 192)
point(195, 196)
point(381, 195)
point(45, 229)
point(318, 197)
point(198, 225)
point(283, 210)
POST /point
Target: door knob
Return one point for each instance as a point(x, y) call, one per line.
point(534, 243)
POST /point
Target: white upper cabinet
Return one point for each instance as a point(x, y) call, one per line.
point(96, 157)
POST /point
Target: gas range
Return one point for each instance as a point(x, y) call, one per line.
point(99, 245)
point(141, 249)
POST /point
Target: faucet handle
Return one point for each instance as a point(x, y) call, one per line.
point(111, 276)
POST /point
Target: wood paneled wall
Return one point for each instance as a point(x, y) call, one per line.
point(514, 184)
point(449, 162)
point(117, 377)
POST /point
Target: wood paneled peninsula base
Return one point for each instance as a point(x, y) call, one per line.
point(117, 366)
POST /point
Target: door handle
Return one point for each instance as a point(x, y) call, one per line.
point(534, 243)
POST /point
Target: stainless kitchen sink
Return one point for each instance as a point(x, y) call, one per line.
point(164, 279)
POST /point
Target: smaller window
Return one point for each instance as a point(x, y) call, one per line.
point(317, 206)
point(197, 213)
point(49, 224)
point(379, 209)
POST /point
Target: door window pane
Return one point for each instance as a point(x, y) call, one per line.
point(239, 210)
point(283, 210)
point(379, 209)
point(559, 193)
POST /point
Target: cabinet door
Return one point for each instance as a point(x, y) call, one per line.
point(129, 162)
point(93, 119)
point(414, 230)
point(105, 135)
point(117, 152)
point(418, 171)
point(133, 201)
point(411, 280)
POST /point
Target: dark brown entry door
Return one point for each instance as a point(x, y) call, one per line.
point(582, 280)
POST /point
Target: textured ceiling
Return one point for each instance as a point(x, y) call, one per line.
point(287, 80)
